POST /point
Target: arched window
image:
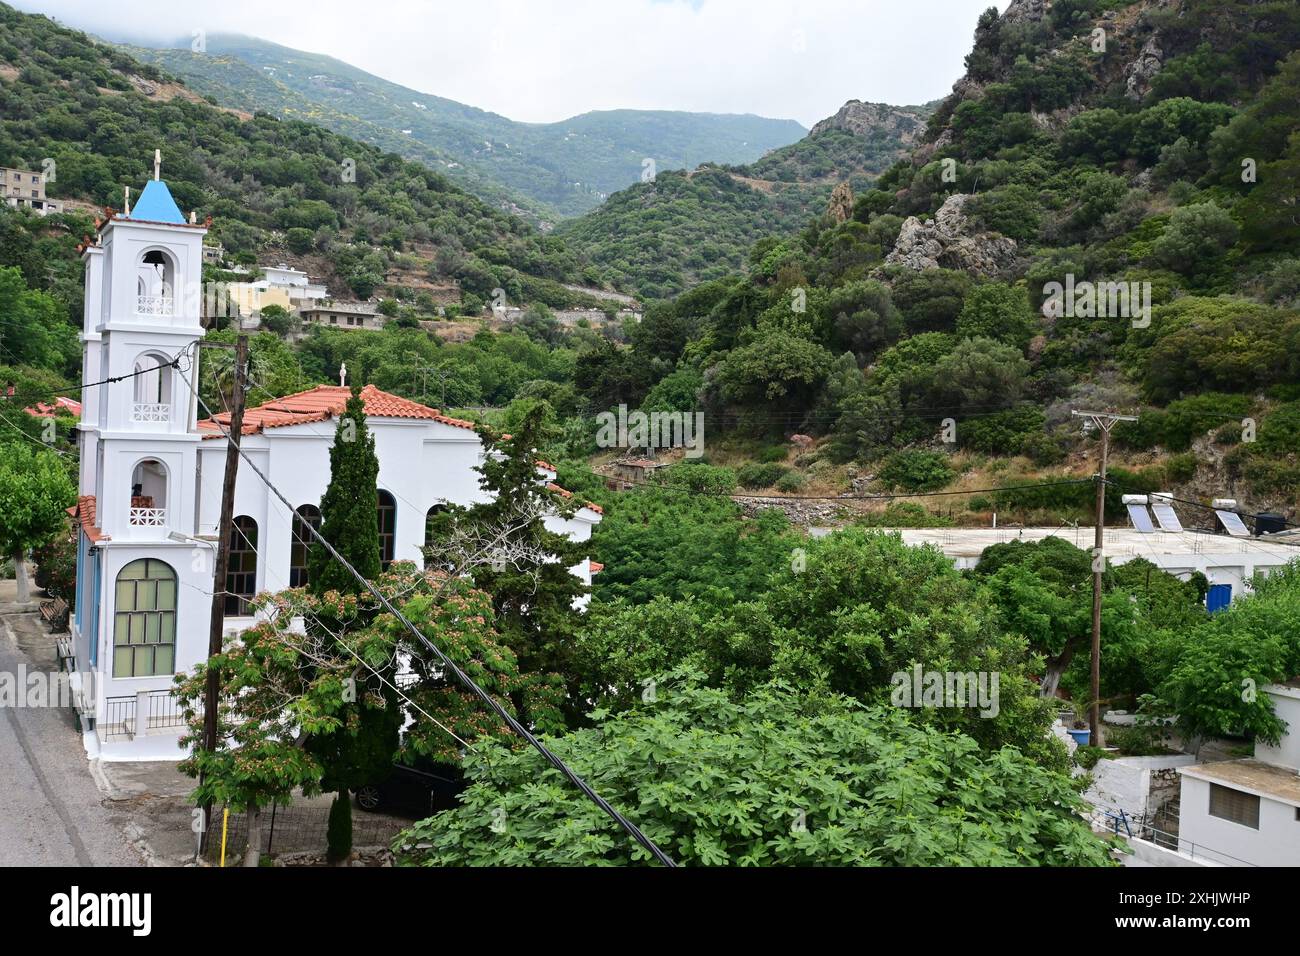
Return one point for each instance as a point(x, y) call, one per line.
point(144, 620)
point(386, 506)
point(430, 529)
point(155, 284)
point(300, 544)
point(153, 389)
point(241, 572)
point(148, 494)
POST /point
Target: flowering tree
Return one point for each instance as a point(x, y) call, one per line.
point(297, 676)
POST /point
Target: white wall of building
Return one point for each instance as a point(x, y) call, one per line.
point(1286, 752)
point(1275, 843)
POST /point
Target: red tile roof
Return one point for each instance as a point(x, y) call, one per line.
point(324, 402)
point(596, 567)
point(85, 511)
point(327, 401)
point(566, 493)
point(42, 410)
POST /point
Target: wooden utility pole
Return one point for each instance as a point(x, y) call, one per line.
point(1104, 421)
point(225, 526)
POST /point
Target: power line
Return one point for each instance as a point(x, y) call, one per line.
point(451, 665)
point(174, 363)
point(31, 438)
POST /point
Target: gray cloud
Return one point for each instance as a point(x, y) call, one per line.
point(544, 60)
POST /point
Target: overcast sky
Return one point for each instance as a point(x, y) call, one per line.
point(545, 60)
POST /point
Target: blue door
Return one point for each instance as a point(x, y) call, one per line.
point(1220, 596)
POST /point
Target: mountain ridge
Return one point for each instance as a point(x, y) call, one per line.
point(700, 223)
point(549, 170)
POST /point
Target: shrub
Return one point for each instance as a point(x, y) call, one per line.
point(997, 433)
point(902, 514)
point(759, 475)
point(999, 312)
point(1042, 449)
point(917, 470)
point(790, 482)
point(1180, 468)
point(701, 478)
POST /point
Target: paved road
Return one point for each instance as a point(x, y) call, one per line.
point(51, 812)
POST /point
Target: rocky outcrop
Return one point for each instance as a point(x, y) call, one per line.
point(865, 119)
point(1138, 74)
point(1027, 11)
point(840, 207)
point(952, 241)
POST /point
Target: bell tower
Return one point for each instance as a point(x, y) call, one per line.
point(142, 322)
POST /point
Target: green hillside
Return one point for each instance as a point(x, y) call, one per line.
point(658, 238)
point(550, 169)
point(348, 210)
point(1052, 162)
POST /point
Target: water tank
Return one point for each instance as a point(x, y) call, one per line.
point(1269, 522)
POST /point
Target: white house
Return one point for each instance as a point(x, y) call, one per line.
point(296, 283)
point(151, 474)
point(1247, 812)
point(1228, 563)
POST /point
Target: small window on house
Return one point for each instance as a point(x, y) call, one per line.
point(386, 507)
point(1229, 804)
point(431, 529)
point(241, 573)
point(300, 546)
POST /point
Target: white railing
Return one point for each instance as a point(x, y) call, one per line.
point(154, 304)
point(151, 412)
point(149, 517)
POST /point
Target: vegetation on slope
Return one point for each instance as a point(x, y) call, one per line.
point(270, 185)
point(561, 169)
point(659, 238)
point(1096, 177)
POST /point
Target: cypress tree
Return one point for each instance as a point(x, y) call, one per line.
point(339, 832)
point(349, 517)
point(361, 752)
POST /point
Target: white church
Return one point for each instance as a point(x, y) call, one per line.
point(151, 476)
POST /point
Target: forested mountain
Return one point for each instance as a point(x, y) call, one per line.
point(346, 210)
point(550, 170)
point(657, 238)
point(1153, 144)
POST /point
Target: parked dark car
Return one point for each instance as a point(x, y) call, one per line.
point(414, 789)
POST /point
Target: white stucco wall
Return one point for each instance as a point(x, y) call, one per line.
point(1125, 783)
point(1275, 843)
point(1286, 705)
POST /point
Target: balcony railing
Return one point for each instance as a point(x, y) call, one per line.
point(148, 517)
point(129, 717)
point(151, 412)
point(154, 304)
